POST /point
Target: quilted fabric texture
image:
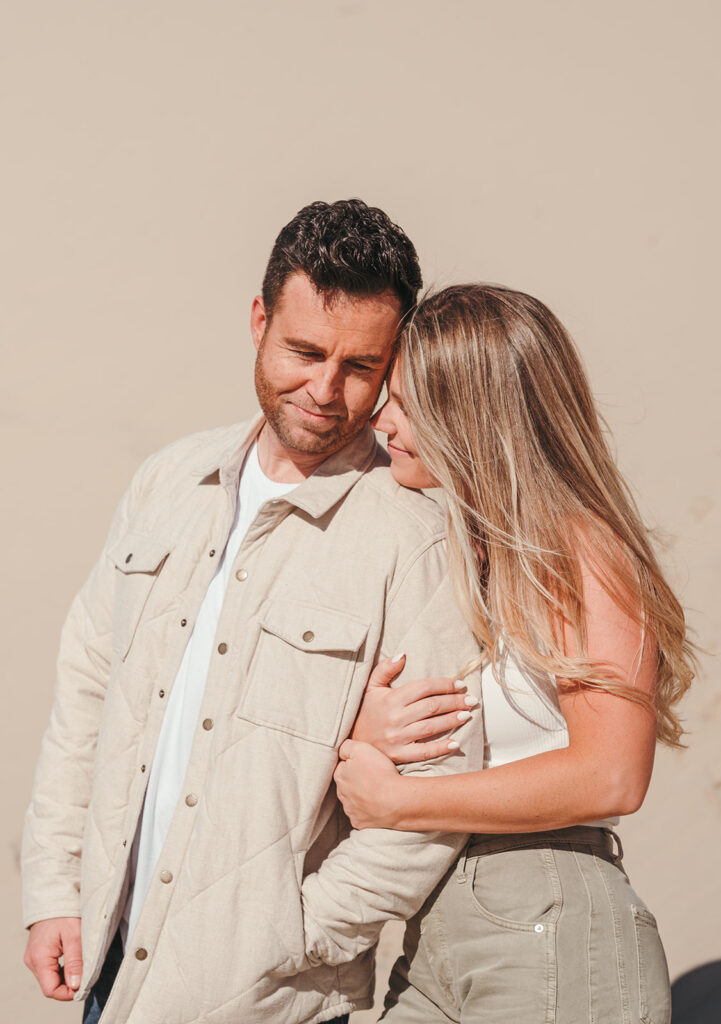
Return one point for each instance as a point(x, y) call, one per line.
point(269, 906)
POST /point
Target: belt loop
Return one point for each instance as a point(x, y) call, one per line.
point(619, 856)
point(461, 876)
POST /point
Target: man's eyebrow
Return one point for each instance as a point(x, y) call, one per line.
point(308, 346)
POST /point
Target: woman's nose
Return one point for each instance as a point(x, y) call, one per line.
point(381, 421)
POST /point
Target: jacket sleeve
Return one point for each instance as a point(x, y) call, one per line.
point(379, 874)
point(55, 819)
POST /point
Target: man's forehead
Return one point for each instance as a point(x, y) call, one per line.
point(351, 326)
point(299, 292)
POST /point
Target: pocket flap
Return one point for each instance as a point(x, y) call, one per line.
point(310, 627)
point(136, 552)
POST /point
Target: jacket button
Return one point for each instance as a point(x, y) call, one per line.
point(241, 575)
point(161, 693)
point(141, 954)
point(191, 799)
point(308, 636)
point(183, 622)
point(142, 767)
point(129, 558)
point(222, 648)
point(166, 876)
point(211, 552)
point(208, 724)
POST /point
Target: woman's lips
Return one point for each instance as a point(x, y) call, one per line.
point(394, 450)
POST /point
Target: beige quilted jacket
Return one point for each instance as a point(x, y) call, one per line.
point(249, 918)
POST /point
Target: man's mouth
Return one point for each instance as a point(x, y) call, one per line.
point(314, 417)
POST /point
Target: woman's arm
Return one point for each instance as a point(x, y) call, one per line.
point(604, 771)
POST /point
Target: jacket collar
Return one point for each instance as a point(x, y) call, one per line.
point(316, 495)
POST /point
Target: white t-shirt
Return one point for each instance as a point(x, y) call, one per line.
point(181, 716)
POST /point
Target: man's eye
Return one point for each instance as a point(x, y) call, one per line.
point(361, 367)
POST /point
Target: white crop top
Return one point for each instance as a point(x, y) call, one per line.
point(522, 717)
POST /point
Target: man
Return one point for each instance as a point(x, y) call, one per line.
point(216, 659)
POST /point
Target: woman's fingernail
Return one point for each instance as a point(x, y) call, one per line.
point(74, 981)
point(463, 716)
point(452, 745)
point(397, 657)
point(471, 701)
point(459, 684)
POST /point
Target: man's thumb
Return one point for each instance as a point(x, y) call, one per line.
point(385, 671)
point(72, 961)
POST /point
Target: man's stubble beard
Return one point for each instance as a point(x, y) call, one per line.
point(304, 441)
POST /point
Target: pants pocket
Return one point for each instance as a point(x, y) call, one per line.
point(517, 888)
point(654, 987)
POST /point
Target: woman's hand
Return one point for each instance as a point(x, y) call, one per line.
point(397, 720)
point(368, 785)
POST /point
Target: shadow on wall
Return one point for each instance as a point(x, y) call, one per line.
point(696, 996)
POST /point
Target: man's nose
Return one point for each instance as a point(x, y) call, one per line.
point(325, 384)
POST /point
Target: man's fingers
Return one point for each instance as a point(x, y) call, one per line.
point(51, 984)
point(47, 942)
point(386, 671)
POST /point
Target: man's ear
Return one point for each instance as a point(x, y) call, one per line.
point(258, 320)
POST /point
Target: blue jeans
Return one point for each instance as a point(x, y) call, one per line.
point(95, 1003)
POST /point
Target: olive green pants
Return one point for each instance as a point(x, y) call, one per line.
point(540, 928)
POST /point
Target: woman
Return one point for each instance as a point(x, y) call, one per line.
point(586, 656)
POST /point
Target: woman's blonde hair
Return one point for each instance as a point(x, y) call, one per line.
point(503, 418)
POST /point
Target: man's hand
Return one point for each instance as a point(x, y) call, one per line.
point(48, 942)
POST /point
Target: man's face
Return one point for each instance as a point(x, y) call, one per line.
point(320, 368)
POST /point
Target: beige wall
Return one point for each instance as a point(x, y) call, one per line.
point(151, 149)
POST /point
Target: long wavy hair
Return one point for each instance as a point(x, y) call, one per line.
point(503, 418)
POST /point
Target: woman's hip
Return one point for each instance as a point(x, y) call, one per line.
point(539, 927)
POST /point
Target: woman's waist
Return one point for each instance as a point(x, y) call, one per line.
point(600, 838)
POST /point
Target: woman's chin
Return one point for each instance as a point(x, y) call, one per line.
point(409, 475)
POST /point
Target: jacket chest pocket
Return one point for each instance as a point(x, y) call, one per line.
point(301, 671)
point(138, 561)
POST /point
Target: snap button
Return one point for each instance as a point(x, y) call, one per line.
point(538, 928)
point(222, 648)
point(241, 575)
point(208, 724)
point(308, 636)
point(129, 557)
point(166, 876)
point(141, 954)
point(191, 799)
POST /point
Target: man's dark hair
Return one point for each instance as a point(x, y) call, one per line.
point(344, 247)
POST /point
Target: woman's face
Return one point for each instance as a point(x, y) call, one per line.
point(406, 465)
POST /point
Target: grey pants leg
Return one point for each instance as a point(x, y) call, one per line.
point(540, 928)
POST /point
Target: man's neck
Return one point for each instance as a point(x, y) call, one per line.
point(283, 464)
